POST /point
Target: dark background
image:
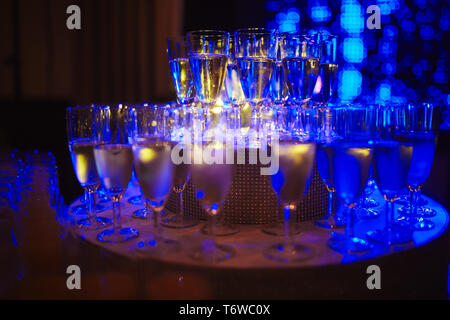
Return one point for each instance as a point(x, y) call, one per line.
point(117, 56)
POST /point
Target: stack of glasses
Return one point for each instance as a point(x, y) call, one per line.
point(263, 92)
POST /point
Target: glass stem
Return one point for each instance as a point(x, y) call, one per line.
point(389, 219)
point(212, 219)
point(180, 212)
point(156, 218)
point(91, 204)
point(287, 218)
point(116, 213)
point(349, 226)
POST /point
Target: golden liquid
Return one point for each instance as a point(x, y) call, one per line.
point(208, 71)
point(296, 161)
point(82, 154)
point(154, 170)
point(212, 181)
point(114, 164)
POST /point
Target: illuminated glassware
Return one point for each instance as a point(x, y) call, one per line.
point(82, 132)
point(325, 88)
point(420, 122)
point(114, 163)
point(329, 120)
point(208, 57)
point(301, 64)
point(255, 51)
point(351, 158)
point(180, 68)
point(211, 178)
point(392, 159)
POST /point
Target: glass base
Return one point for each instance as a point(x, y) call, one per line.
point(212, 252)
point(405, 199)
point(290, 253)
point(160, 246)
point(117, 235)
point(178, 222)
point(344, 244)
point(93, 223)
point(82, 209)
point(329, 222)
point(136, 200)
point(421, 211)
point(145, 214)
point(418, 224)
point(222, 229)
point(394, 236)
point(367, 213)
point(277, 229)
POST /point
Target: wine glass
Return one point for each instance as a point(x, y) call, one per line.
point(329, 119)
point(208, 56)
point(211, 177)
point(325, 87)
point(114, 162)
point(82, 133)
point(179, 133)
point(420, 123)
point(351, 158)
point(278, 89)
point(391, 161)
point(255, 51)
point(296, 159)
point(180, 68)
point(301, 65)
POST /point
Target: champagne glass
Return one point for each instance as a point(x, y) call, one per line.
point(329, 119)
point(180, 68)
point(114, 162)
point(255, 51)
point(82, 133)
point(301, 65)
point(391, 162)
point(420, 123)
point(325, 88)
point(211, 177)
point(208, 56)
point(232, 82)
point(351, 158)
point(278, 89)
point(296, 159)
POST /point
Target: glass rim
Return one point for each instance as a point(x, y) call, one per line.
point(257, 31)
point(207, 33)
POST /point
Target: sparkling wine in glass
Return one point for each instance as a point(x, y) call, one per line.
point(296, 160)
point(392, 159)
point(114, 163)
point(420, 123)
point(82, 134)
point(301, 65)
point(211, 180)
point(208, 56)
point(326, 82)
point(351, 161)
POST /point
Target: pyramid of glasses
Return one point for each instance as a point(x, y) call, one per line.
point(255, 135)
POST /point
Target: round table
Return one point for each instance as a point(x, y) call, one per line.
point(417, 269)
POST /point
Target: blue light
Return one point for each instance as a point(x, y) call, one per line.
point(320, 14)
point(281, 17)
point(272, 6)
point(384, 92)
point(426, 32)
point(388, 68)
point(440, 77)
point(390, 32)
point(200, 194)
point(353, 50)
point(352, 19)
point(293, 15)
point(408, 25)
point(385, 7)
point(350, 87)
point(287, 27)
